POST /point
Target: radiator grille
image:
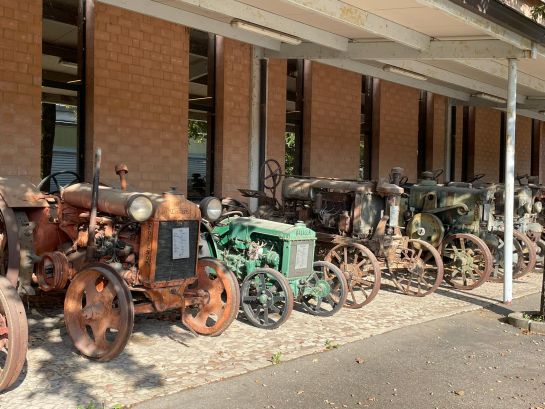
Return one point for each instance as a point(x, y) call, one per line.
point(177, 262)
point(301, 258)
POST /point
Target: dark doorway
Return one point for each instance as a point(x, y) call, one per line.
point(294, 117)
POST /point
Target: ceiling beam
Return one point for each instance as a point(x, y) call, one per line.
point(481, 23)
point(439, 50)
point(377, 72)
point(500, 71)
point(355, 17)
point(66, 53)
point(62, 13)
point(457, 80)
point(241, 11)
point(198, 70)
point(185, 18)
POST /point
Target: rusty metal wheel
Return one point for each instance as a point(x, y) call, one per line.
point(13, 334)
point(529, 250)
point(99, 312)
point(361, 269)
point(324, 291)
point(496, 276)
point(418, 269)
point(467, 259)
point(221, 296)
point(266, 298)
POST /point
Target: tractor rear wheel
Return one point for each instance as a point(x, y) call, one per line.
point(324, 291)
point(266, 298)
point(467, 259)
point(13, 334)
point(362, 272)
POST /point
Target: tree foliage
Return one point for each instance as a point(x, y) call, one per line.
point(290, 153)
point(197, 131)
point(538, 11)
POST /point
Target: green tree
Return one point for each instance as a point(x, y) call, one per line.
point(290, 154)
point(538, 11)
point(197, 130)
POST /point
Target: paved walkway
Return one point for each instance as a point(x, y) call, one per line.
point(162, 357)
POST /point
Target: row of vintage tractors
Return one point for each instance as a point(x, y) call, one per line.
point(417, 235)
point(115, 253)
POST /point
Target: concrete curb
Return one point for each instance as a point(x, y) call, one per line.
point(517, 320)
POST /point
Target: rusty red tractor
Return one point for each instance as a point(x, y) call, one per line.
point(115, 253)
point(357, 230)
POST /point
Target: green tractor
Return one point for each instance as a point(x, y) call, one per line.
point(461, 218)
point(274, 263)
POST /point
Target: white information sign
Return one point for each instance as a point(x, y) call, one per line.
point(180, 243)
point(301, 256)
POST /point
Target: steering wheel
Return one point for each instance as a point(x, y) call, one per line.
point(229, 214)
point(437, 173)
point(270, 173)
point(229, 205)
point(53, 176)
point(476, 177)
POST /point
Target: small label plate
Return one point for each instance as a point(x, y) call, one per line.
point(301, 256)
point(180, 243)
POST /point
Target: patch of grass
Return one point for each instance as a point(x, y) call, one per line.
point(276, 358)
point(329, 344)
point(534, 317)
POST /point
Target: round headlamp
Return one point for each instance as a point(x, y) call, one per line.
point(140, 208)
point(211, 208)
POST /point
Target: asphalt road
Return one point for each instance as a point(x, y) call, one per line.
point(469, 360)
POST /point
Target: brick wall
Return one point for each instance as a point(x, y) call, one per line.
point(458, 158)
point(276, 112)
point(20, 87)
point(332, 122)
point(233, 100)
point(439, 108)
point(523, 148)
point(487, 143)
point(137, 104)
point(398, 132)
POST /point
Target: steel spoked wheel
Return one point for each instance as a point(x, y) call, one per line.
point(529, 253)
point(13, 334)
point(468, 261)
point(217, 287)
point(267, 298)
point(99, 312)
point(361, 270)
point(498, 253)
point(324, 291)
point(418, 270)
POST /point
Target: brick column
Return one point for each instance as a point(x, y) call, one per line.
point(397, 129)
point(20, 87)
point(487, 143)
point(332, 122)
point(439, 131)
point(137, 97)
point(233, 83)
point(276, 111)
point(523, 148)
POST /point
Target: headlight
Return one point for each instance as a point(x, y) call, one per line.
point(538, 207)
point(211, 208)
point(140, 208)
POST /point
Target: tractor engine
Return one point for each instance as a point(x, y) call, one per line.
point(149, 239)
point(256, 243)
point(335, 206)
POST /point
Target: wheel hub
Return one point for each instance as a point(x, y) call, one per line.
point(265, 297)
point(93, 311)
point(321, 289)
